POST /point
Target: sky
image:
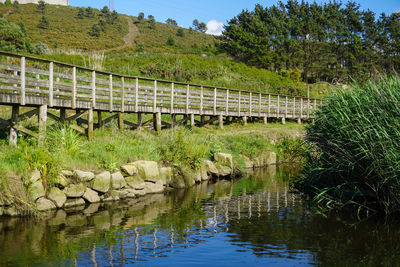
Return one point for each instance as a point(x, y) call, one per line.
point(215, 13)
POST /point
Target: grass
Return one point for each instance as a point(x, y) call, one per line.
point(355, 160)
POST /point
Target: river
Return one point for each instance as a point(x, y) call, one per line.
point(254, 220)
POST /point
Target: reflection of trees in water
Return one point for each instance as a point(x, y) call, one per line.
point(258, 212)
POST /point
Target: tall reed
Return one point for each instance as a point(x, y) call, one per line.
point(356, 157)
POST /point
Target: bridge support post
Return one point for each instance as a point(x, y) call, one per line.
point(14, 121)
point(121, 125)
point(63, 115)
point(192, 124)
point(283, 120)
point(221, 121)
point(139, 120)
point(100, 120)
point(245, 120)
point(90, 124)
point(265, 120)
point(299, 120)
point(42, 120)
point(158, 122)
point(202, 119)
point(173, 121)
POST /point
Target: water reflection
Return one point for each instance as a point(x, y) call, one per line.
point(250, 221)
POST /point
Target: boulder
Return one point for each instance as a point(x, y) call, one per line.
point(91, 196)
point(135, 182)
point(57, 196)
point(34, 176)
point(210, 167)
point(270, 158)
point(92, 208)
point(190, 180)
point(83, 176)
point(166, 175)
point(73, 202)
point(197, 177)
point(67, 173)
point(223, 171)
point(224, 159)
point(152, 188)
point(203, 172)
point(61, 181)
point(75, 190)
point(43, 204)
point(37, 190)
point(138, 193)
point(101, 183)
point(11, 211)
point(248, 163)
point(122, 194)
point(117, 180)
point(129, 170)
point(148, 170)
point(177, 182)
point(109, 198)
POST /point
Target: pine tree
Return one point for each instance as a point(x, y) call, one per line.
point(44, 23)
point(41, 6)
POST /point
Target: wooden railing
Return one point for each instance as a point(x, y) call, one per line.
point(27, 80)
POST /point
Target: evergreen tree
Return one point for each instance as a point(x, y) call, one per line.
point(141, 16)
point(180, 32)
point(171, 22)
point(95, 30)
point(41, 6)
point(44, 23)
point(81, 13)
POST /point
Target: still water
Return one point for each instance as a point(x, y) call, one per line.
point(255, 220)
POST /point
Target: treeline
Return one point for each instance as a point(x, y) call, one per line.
point(329, 42)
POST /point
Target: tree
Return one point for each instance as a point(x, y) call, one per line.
point(90, 12)
point(152, 21)
point(15, 7)
point(41, 6)
point(44, 23)
point(21, 25)
point(8, 3)
point(12, 38)
point(199, 26)
point(95, 30)
point(81, 13)
point(170, 41)
point(180, 32)
point(141, 16)
point(171, 22)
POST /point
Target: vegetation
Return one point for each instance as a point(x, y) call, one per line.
point(327, 42)
point(13, 37)
point(355, 160)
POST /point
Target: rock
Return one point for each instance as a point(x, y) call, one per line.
point(91, 196)
point(270, 158)
point(129, 170)
point(203, 172)
point(223, 171)
point(37, 190)
point(59, 218)
point(153, 188)
point(43, 204)
point(101, 182)
point(210, 167)
point(148, 170)
point(117, 180)
point(166, 175)
point(57, 196)
point(34, 176)
point(224, 159)
point(11, 211)
point(197, 177)
point(109, 198)
point(92, 208)
point(83, 176)
point(61, 181)
point(122, 194)
point(189, 180)
point(74, 202)
point(75, 190)
point(138, 193)
point(67, 173)
point(135, 182)
point(177, 182)
point(248, 163)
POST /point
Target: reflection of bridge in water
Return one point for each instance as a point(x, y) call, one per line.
point(49, 89)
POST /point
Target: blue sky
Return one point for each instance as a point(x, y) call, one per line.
point(213, 12)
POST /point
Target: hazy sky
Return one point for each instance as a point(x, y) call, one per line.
point(214, 12)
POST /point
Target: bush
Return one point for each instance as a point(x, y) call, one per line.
point(180, 32)
point(44, 23)
point(170, 41)
point(356, 140)
point(13, 38)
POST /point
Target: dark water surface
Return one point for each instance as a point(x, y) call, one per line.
point(255, 220)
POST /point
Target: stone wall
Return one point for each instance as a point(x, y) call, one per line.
point(51, 2)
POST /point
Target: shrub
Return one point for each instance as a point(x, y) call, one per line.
point(180, 32)
point(41, 6)
point(170, 41)
point(356, 160)
point(13, 38)
point(44, 23)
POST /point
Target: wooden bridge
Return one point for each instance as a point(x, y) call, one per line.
point(45, 86)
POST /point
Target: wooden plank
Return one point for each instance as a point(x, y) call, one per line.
point(73, 97)
point(51, 84)
point(136, 94)
point(22, 101)
point(76, 116)
point(25, 131)
point(122, 94)
point(93, 89)
point(250, 104)
point(294, 107)
point(269, 106)
point(227, 103)
point(201, 100)
point(78, 128)
point(259, 105)
point(239, 100)
point(172, 98)
point(155, 97)
point(215, 102)
point(111, 93)
point(187, 99)
point(301, 108)
point(286, 106)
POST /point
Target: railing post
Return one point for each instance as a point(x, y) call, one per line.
point(269, 106)
point(22, 100)
point(51, 84)
point(93, 89)
point(279, 107)
point(301, 108)
point(286, 107)
point(315, 105)
point(259, 104)
point(155, 97)
point(137, 94)
point(172, 97)
point(187, 98)
point(215, 102)
point(111, 92)
point(294, 107)
point(73, 97)
point(239, 100)
point(227, 103)
point(123, 94)
point(90, 123)
point(250, 104)
point(201, 100)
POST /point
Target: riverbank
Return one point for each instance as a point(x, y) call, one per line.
point(68, 170)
